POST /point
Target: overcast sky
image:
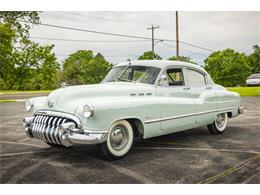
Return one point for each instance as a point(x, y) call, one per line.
point(211, 30)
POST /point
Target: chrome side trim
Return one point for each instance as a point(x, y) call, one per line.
point(186, 115)
point(60, 114)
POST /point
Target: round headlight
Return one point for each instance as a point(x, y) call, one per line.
point(29, 105)
point(88, 110)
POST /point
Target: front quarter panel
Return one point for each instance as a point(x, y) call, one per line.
point(38, 103)
point(107, 111)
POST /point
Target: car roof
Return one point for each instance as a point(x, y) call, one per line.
point(160, 63)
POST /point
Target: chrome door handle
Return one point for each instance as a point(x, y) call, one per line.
point(186, 88)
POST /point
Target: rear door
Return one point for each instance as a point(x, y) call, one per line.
point(202, 91)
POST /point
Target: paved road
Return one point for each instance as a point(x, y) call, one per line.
point(192, 156)
point(21, 96)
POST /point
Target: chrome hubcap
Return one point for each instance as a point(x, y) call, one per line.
point(221, 120)
point(119, 137)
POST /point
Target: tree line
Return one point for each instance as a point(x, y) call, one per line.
point(26, 65)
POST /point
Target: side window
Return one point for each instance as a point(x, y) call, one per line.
point(196, 78)
point(174, 77)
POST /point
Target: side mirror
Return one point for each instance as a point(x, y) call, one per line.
point(163, 80)
point(163, 77)
point(64, 84)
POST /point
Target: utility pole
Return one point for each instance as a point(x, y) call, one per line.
point(152, 28)
point(177, 35)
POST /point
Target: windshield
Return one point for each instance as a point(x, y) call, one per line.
point(254, 76)
point(137, 74)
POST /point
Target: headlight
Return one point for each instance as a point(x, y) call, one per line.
point(29, 105)
point(88, 110)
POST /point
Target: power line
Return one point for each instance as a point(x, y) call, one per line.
point(106, 18)
point(184, 49)
point(91, 41)
point(117, 20)
point(193, 45)
point(115, 34)
point(90, 31)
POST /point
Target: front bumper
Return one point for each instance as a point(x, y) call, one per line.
point(65, 134)
point(241, 110)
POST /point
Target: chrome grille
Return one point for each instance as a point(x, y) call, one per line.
point(45, 127)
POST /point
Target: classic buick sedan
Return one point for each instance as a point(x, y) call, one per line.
point(145, 99)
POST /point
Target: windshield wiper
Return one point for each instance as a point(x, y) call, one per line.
point(119, 77)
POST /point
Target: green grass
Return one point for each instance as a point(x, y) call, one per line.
point(246, 91)
point(2, 101)
point(21, 92)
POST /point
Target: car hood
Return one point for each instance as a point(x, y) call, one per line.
point(69, 97)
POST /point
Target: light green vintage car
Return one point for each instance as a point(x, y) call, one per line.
point(145, 98)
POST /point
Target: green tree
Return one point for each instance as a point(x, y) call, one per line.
point(149, 55)
point(18, 19)
point(24, 64)
point(7, 65)
point(37, 70)
point(182, 58)
point(254, 59)
point(228, 67)
point(82, 67)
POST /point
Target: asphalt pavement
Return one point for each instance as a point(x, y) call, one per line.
point(192, 156)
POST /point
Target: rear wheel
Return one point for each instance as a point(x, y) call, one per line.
point(119, 141)
point(219, 125)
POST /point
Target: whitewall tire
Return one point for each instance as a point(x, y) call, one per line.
point(219, 125)
point(119, 140)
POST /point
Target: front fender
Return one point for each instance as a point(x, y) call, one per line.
point(38, 103)
point(107, 111)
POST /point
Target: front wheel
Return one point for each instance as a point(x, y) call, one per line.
point(219, 125)
point(119, 140)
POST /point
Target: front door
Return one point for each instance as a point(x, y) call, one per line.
point(177, 104)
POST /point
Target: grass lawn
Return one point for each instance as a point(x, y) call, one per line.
point(246, 91)
point(1, 101)
point(21, 92)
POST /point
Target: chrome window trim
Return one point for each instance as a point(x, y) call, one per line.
point(60, 114)
point(186, 115)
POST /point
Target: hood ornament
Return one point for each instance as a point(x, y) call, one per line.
point(50, 103)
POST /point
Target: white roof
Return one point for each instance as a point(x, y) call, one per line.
point(160, 63)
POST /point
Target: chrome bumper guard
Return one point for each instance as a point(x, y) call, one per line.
point(67, 134)
point(241, 110)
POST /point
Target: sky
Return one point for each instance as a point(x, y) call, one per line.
point(212, 31)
